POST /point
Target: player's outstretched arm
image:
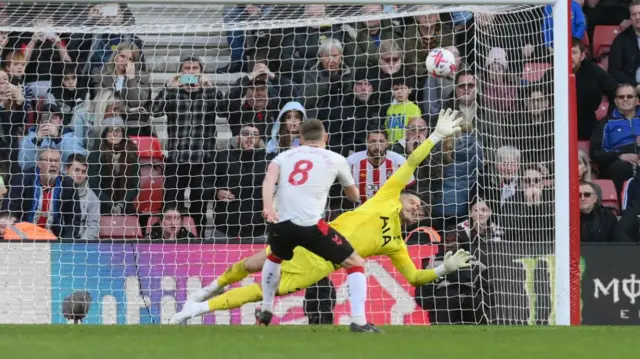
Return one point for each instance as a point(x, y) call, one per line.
point(448, 125)
point(452, 263)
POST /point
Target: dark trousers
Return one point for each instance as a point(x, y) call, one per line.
point(319, 302)
point(179, 176)
point(459, 307)
point(619, 171)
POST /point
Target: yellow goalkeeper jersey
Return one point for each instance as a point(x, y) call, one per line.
point(375, 228)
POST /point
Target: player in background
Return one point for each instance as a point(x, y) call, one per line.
point(372, 167)
point(375, 228)
point(304, 176)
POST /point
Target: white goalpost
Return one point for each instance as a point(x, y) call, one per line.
point(171, 109)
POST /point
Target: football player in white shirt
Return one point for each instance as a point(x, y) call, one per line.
point(304, 176)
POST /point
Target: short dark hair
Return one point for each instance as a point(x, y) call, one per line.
point(623, 85)
point(77, 157)
point(376, 130)
point(463, 73)
point(312, 130)
point(172, 206)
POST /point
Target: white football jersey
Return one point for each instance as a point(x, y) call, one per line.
point(370, 178)
point(306, 175)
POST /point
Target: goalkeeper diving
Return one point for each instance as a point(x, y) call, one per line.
point(373, 229)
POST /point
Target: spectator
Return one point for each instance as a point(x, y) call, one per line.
point(319, 302)
point(189, 101)
point(456, 162)
point(12, 118)
point(362, 43)
point(500, 182)
point(592, 82)
point(89, 224)
point(284, 133)
point(425, 34)
point(480, 228)
point(4, 40)
point(279, 87)
point(123, 75)
point(584, 167)
point(597, 223)
point(307, 39)
point(250, 105)
point(528, 216)
point(91, 51)
point(614, 142)
point(578, 23)
point(114, 171)
point(416, 132)
point(401, 110)
point(45, 54)
point(625, 51)
point(499, 89)
point(628, 228)
point(240, 170)
point(437, 90)
point(48, 132)
point(10, 230)
point(465, 96)
point(606, 12)
point(347, 124)
point(329, 79)
point(236, 38)
point(533, 134)
point(44, 197)
point(69, 96)
point(170, 228)
point(372, 168)
point(391, 66)
point(14, 65)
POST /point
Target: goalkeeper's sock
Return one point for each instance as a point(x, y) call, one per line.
point(357, 283)
point(270, 280)
point(233, 274)
point(235, 298)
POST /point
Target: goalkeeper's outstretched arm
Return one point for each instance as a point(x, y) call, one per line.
point(452, 262)
point(448, 125)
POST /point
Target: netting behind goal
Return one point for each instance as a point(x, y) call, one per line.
point(139, 136)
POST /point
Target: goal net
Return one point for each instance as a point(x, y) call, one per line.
point(139, 136)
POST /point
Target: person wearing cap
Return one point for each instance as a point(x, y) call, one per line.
point(48, 133)
point(189, 102)
point(44, 196)
point(114, 170)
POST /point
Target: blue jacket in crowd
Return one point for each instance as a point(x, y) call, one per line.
point(578, 23)
point(68, 144)
point(450, 196)
point(613, 136)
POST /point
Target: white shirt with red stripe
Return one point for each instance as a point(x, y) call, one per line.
point(370, 178)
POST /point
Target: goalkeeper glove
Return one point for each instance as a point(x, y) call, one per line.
point(447, 126)
point(453, 262)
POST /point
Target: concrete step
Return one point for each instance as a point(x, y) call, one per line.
point(166, 63)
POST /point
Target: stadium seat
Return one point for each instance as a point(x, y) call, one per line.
point(603, 109)
point(603, 37)
point(151, 196)
point(584, 146)
point(119, 227)
point(187, 222)
point(585, 42)
point(148, 147)
point(534, 71)
point(609, 195)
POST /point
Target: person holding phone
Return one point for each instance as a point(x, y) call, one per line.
point(189, 101)
point(48, 133)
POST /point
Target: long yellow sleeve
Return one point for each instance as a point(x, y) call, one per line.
point(405, 266)
point(402, 176)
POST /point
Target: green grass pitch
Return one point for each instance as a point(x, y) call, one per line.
point(311, 342)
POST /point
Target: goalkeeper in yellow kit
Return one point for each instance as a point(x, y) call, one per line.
point(373, 229)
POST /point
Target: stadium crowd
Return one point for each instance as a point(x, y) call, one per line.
point(79, 147)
